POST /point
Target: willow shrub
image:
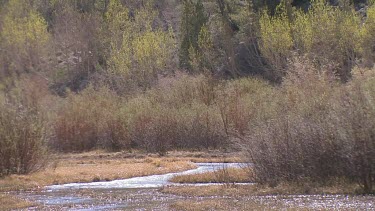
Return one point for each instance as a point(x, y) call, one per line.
point(23, 136)
point(180, 113)
point(319, 130)
point(177, 114)
point(90, 120)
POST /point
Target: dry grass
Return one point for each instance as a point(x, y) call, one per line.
point(230, 175)
point(100, 166)
point(93, 167)
point(219, 204)
point(261, 190)
point(214, 156)
point(9, 202)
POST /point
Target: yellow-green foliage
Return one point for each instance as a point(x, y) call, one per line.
point(202, 59)
point(276, 38)
point(117, 20)
point(326, 31)
point(368, 36)
point(138, 51)
point(23, 33)
point(23, 26)
point(327, 34)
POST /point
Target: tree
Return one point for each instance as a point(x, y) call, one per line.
point(77, 45)
point(192, 21)
point(138, 50)
point(24, 39)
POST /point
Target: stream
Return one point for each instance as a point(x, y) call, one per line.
point(133, 193)
point(154, 181)
point(143, 193)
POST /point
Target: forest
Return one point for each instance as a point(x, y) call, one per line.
point(291, 83)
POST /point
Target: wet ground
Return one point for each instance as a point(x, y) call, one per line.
point(143, 193)
point(153, 199)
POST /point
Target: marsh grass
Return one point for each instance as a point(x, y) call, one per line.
point(287, 188)
point(91, 167)
point(226, 175)
point(10, 202)
point(220, 204)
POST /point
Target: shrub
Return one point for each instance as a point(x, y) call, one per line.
point(89, 120)
point(319, 131)
point(176, 116)
point(23, 137)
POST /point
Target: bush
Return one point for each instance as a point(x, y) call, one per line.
point(90, 120)
point(319, 131)
point(23, 137)
point(178, 114)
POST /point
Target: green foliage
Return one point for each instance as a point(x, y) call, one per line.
point(138, 52)
point(276, 39)
point(193, 22)
point(367, 46)
point(327, 34)
point(23, 38)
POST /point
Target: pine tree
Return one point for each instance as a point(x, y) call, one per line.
point(193, 20)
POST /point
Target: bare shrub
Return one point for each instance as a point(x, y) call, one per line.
point(159, 129)
point(23, 136)
point(88, 120)
point(319, 130)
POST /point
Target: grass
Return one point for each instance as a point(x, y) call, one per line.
point(262, 190)
point(93, 167)
point(9, 202)
point(219, 204)
point(230, 175)
point(103, 166)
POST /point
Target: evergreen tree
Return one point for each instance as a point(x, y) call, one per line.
point(193, 20)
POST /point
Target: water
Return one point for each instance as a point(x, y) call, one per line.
point(143, 193)
point(133, 193)
point(154, 181)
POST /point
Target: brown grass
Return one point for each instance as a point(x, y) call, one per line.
point(95, 167)
point(100, 166)
point(262, 190)
point(219, 204)
point(8, 202)
point(230, 175)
